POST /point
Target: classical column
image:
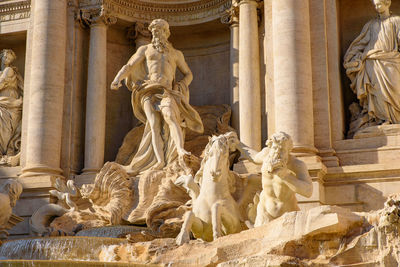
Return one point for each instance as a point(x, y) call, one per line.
point(292, 72)
point(95, 128)
point(28, 67)
point(231, 17)
point(249, 75)
point(46, 89)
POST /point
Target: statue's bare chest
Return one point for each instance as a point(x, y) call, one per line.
point(166, 57)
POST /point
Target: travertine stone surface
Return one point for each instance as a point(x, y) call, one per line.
point(11, 93)
point(372, 63)
point(283, 175)
point(249, 75)
point(95, 129)
point(292, 72)
point(158, 101)
point(46, 89)
point(298, 238)
point(232, 18)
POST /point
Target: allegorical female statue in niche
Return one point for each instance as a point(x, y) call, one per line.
point(372, 63)
point(11, 91)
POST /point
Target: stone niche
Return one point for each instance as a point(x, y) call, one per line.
point(17, 42)
point(206, 50)
point(350, 25)
point(369, 166)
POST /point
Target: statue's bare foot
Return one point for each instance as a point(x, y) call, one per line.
point(158, 166)
point(182, 153)
point(182, 238)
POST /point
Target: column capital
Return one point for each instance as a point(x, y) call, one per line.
point(256, 2)
point(96, 17)
point(231, 15)
point(138, 30)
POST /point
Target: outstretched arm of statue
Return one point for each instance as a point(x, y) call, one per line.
point(136, 59)
point(296, 177)
point(184, 68)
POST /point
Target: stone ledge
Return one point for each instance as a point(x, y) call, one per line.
point(37, 182)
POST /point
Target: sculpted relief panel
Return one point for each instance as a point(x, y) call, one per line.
point(181, 13)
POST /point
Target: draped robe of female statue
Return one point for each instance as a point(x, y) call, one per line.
point(10, 112)
point(372, 63)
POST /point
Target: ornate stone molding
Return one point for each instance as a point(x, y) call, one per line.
point(96, 16)
point(231, 15)
point(15, 10)
point(139, 30)
point(176, 13)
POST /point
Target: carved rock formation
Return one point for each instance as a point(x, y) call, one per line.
point(321, 236)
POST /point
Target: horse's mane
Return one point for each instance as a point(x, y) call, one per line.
point(199, 175)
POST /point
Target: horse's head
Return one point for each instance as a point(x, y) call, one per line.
point(218, 156)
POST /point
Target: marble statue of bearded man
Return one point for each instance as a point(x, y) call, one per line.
point(159, 101)
point(372, 63)
point(11, 90)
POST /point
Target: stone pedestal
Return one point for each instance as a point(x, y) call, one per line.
point(46, 90)
point(249, 75)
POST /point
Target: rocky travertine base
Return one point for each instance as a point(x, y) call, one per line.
point(322, 236)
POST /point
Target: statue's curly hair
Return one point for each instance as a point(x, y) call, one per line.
point(387, 2)
point(281, 138)
point(4, 51)
point(163, 24)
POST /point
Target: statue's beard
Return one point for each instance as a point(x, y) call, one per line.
point(275, 161)
point(160, 43)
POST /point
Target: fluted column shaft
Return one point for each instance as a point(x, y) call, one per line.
point(234, 71)
point(46, 90)
point(95, 129)
point(249, 75)
point(292, 72)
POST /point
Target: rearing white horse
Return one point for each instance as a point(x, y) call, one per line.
point(215, 212)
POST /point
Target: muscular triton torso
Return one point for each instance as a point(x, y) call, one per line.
point(278, 196)
point(161, 66)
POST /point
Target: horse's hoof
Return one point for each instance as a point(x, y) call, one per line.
point(182, 238)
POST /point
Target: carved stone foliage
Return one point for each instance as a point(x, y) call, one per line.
point(96, 15)
point(176, 12)
point(14, 10)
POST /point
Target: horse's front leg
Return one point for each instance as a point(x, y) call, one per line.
point(216, 222)
point(189, 221)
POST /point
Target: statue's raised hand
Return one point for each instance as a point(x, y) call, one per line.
point(116, 84)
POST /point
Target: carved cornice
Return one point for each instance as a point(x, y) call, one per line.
point(176, 13)
point(15, 10)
